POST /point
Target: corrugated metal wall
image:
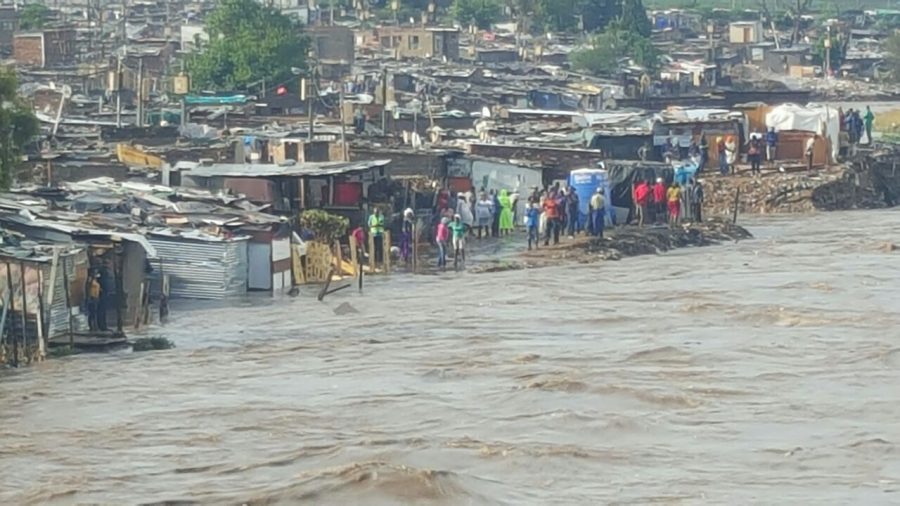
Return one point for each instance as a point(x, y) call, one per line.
point(201, 269)
point(59, 313)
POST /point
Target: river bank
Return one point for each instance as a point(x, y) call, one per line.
point(619, 243)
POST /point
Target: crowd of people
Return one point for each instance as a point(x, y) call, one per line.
point(656, 202)
point(548, 214)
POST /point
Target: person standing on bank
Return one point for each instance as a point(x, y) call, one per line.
point(376, 231)
point(674, 197)
point(572, 211)
point(484, 215)
point(442, 239)
point(810, 150)
point(532, 223)
point(869, 119)
point(551, 212)
point(696, 199)
point(704, 153)
point(659, 201)
point(506, 214)
point(771, 145)
point(495, 224)
point(641, 199)
point(754, 154)
point(723, 156)
point(93, 301)
point(598, 212)
point(731, 152)
point(406, 235)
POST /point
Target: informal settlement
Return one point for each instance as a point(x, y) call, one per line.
point(142, 188)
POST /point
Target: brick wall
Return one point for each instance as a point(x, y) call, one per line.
point(28, 50)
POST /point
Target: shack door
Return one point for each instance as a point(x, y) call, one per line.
point(260, 268)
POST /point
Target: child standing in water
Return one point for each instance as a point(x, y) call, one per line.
point(442, 238)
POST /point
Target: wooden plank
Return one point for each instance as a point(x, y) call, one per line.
point(354, 256)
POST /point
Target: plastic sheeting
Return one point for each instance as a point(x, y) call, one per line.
point(822, 120)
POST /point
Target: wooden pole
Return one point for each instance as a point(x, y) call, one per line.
point(11, 301)
point(345, 152)
point(384, 78)
point(354, 256)
point(120, 289)
point(415, 246)
point(737, 198)
point(39, 320)
point(24, 309)
point(371, 252)
point(386, 253)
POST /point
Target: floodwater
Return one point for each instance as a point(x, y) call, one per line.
point(763, 372)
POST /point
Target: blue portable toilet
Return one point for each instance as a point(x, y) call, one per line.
point(585, 182)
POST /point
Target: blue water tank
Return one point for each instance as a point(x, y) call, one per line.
point(586, 182)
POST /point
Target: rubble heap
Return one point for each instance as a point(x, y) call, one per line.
point(870, 181)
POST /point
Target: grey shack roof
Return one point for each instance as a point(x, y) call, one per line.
point(284, 170)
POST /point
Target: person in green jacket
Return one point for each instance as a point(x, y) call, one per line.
point(506, 215)
point(376, 231)
point(869, 118)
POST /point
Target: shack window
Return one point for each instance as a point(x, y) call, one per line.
point(414, 42)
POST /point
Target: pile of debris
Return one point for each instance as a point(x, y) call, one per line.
point(768, 194)
point(629, 242)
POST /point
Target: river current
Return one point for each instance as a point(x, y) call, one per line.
point(761, 372)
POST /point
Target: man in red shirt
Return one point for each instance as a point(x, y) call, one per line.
point(641, 199)
point(551, 210)
point(659, 199)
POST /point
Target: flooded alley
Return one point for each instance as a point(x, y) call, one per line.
point(760, 372)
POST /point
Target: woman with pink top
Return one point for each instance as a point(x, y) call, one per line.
point(442, 238)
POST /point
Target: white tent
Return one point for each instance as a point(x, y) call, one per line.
point(819, 119)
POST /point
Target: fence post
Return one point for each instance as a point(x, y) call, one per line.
point(372, 254)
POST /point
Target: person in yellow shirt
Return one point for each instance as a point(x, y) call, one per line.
point(93, 301)
point(673, 197)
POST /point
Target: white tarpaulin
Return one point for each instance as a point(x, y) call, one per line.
point(820, 119)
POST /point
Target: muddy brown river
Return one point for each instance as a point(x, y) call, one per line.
point(763, 372)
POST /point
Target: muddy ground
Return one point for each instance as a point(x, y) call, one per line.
point(620, 243)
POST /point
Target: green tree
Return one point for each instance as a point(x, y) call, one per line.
point(634, 18)
point(18, 126)
point(575, 15)
point(248, 42)
point(33, 16)
point(603, 54)
point(837, 51)
point(481, 13)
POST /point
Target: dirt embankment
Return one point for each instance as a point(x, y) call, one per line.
point(621, 243)
point(869, 181)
